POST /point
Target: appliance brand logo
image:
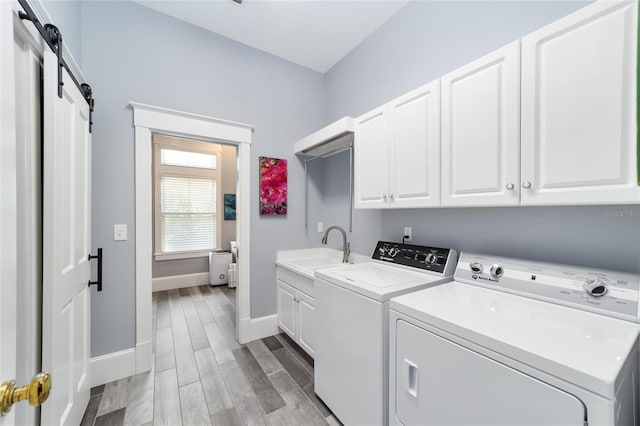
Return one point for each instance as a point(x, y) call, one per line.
point(478, 277)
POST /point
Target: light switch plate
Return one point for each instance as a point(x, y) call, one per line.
point(408, 233)
point(320, 227)
point(120, 232)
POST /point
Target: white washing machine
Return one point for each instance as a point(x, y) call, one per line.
point(512, 342)
point(352, 325)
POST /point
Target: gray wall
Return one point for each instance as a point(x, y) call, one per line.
point(229, 184)
point(329, 204)
point(131, 53)
point(65, 14)
point(423, 41)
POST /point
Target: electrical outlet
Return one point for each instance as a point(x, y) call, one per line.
point(120, 232)
point(408, 233)
point(320, 227)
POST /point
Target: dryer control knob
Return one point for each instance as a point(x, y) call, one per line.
point(476, 267)
point(432, 258)
point(497, 271)
point(596, 288)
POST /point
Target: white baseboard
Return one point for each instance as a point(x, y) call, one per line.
point(114, 366)
point(259, 328)
point(179, 281)
point(144, 357)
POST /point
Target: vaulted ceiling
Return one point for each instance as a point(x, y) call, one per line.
point(312, 33)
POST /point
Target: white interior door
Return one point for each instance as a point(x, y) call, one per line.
point(28, 101)
point(481, 132)
point(8, 237)
point(66, 244)
point(20, 207)
point(579, 135)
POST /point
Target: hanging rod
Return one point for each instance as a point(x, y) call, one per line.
point(53, 37)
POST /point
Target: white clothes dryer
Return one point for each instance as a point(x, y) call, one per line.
point(512, 342)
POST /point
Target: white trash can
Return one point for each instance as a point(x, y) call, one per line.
point(219, 267)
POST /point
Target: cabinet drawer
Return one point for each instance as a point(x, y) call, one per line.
point(297, 281)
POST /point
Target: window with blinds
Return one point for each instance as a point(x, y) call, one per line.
point(188, 214)
point(186, 203)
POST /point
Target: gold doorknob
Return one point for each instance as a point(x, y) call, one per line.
point(35, 392)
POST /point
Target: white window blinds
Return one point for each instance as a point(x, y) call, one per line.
point(187, 214)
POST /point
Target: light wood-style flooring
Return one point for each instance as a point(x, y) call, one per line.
point(203, 376)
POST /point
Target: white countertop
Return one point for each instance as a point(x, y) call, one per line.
point(306, 261)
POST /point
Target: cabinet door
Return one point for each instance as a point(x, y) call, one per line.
point(286, 309)
point(306, 313)
point(579, 108)
point(371, 159)
point(480, 131)
point(415, 148)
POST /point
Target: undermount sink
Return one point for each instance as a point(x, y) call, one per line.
point(307, 261)
point(314, 263)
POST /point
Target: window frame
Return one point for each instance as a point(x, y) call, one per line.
point(159, 170)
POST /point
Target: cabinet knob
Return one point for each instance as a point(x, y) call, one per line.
point(384, 196)
point(510, 186)
point(391, 196)
point(526, 185)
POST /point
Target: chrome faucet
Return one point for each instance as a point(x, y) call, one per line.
point(346, 247)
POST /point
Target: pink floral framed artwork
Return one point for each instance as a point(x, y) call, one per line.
point(273, 186)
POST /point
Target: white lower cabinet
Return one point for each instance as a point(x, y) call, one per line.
point(295, 310)
point(287, 309)
point(306, 314)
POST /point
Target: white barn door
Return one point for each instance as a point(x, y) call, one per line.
point(66, 244)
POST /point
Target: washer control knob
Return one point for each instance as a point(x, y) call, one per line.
point(476, 267)
point(497, 271)
point(596, 288)
point(432, 258)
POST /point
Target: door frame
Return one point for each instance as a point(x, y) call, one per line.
point(149, 120)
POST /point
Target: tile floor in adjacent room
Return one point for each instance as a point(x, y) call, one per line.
point(202, 375)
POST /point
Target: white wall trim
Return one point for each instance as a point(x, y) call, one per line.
point(114, 366)
point(263, 327)
point(148, 120)
point(179, 281)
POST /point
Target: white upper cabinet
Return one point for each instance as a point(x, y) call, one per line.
point(579, 141)
point(397, 152)
point(480, 131)
point(371, 159)
point(415, 148)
